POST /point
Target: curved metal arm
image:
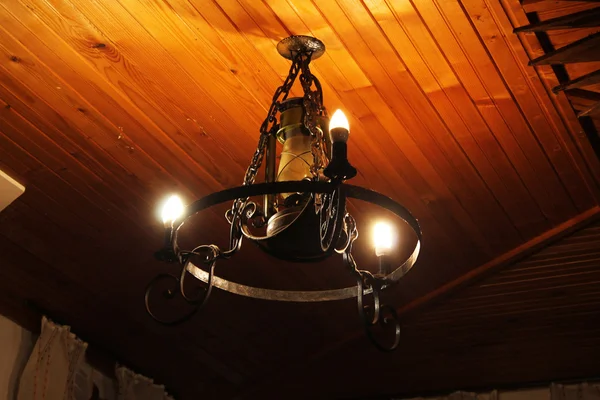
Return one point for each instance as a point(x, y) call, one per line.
point(366, 280)
point(369, 284)
point(211, 260)
point(390, 320)
point(169, 295)
point(198, 301)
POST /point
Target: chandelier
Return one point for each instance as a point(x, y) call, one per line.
point(303, 215)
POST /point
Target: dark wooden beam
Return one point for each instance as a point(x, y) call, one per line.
point(585, 80)
point(582, 50)
point(528, 2)
point(507, 259)
point(582, 19)
point(582, 99)
point(585, 102)
point(594, 109)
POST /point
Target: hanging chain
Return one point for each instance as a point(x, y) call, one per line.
point(313, 111)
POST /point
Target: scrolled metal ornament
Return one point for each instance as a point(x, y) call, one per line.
point(367, 284)
point(388, 318)
point(212, 253)
point(331, 215)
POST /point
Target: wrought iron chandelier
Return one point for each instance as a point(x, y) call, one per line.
point(303, 215)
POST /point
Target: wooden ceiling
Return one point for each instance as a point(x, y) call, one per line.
point(108, 106)
point(524, 324)
point(565, 42)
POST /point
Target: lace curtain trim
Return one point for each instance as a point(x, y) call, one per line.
point(135, 386)
point(52, 365)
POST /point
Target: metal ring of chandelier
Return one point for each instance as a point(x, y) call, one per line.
point(351, 191)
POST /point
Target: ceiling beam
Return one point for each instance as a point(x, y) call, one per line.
point(582, 50)
point(594, 109)
point(585, 80)
point(582, 19)
point(528, 2)
point(509, 258)
point(585, 102)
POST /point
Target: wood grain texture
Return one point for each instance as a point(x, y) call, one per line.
point(108, 106)
point(543, 310)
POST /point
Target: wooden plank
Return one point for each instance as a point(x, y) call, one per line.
point(582, 19)
point(555, 131)
point(510, 257)
point(218, 102)
point(469, 59)
point(479, 301)
point(553, 9)
point(103, 79)
point(594, 109)
point(581, 148)
point(589, 79)
point(30, 170)
point(85, 185)
point(415, 42)
point(563, 37)
point(581, 69)
point(89, 185)
point(581, 99)
point(67, 208)
point(506, 84)
point(525, 3)
point(72, 144)
point(124, 136)
point(583, 50)
point(585, 102)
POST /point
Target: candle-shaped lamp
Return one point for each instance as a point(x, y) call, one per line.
point(383, 239)
point(172, 210)
point(339, 168)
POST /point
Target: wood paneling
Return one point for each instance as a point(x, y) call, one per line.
point(534, 321)
point(568, 35)
point(108, 106)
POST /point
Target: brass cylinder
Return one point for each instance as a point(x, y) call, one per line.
point(296, 155)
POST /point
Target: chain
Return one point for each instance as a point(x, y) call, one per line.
point(269, 125)
point(313, 109)
point(267, 128)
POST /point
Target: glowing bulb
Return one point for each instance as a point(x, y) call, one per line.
point(339, 128)
point(383, 238)
point(172, 209)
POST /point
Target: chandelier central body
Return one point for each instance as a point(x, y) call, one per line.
point(303, 216)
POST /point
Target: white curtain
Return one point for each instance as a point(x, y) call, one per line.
point(15, 347)
point(137, 387)
point(52, 367)
point(583, 391)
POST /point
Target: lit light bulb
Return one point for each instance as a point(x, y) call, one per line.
point(383, 238)
point(339, 128)
point(172, 210)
